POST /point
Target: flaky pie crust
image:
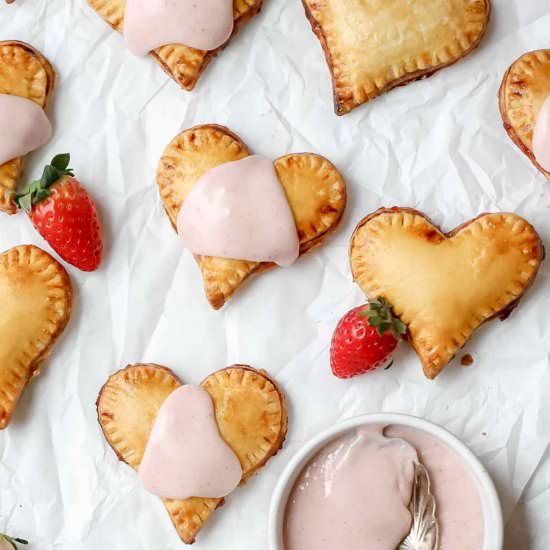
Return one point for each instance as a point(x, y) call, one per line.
point(524, 88)
point(374, 46)
point(184, 64)
point(250, 410)
point(315, 191)
point(444, 286)
point(36, 305)
point(24, 72)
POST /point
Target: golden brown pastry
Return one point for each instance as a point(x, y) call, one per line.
point(524, 88)
point(24, 72)
point(374, 46)
point(250, 410)
point(444, 286)
point(315, 191)
point(36, 305)
point(184, 64)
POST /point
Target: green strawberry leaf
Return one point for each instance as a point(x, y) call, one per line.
point(61, 161)
point(24, 202)
point(12, 540)
point(380, 315)
point(38, 190)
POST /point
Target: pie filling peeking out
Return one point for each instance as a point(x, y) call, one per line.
point(36, 305)
point(524, 101)
point(372, 47)
point(250, 412)
point(24, 73)
point(208, 25)
point(308, 204)
point(444, 286)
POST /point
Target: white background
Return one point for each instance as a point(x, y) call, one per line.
point(436, 145)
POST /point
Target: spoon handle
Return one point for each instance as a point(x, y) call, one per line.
point(424, 534)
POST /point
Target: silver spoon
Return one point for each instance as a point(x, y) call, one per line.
point(424, 534)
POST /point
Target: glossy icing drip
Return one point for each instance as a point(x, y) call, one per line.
point(239, 210)
point(186, 455)
point(353, 495)
point(201, 24)
point(24, 127)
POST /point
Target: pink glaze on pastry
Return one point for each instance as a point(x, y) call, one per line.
point(541, 136)
point(24, 127)
point(200, 24)
point(186, 455)
point(239, 210)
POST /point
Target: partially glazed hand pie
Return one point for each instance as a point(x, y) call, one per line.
point(250, 411)
point(444, 286)
point(183, 63)
point(25, 73)
point(36, 305)
point(314, 189)
point(374, 46)
point(525, 89)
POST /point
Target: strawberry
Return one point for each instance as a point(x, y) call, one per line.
point(365, 339)
point(10, 543)
point(64, 214)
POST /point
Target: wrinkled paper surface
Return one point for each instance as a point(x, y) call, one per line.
point(436, 145)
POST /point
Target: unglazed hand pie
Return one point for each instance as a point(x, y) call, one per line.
point(183, 63)
point(26, 73)
point(250, 410)
point(373, 46)
point(314, 189)
point(444, 286)
point(525, 87)
point(36, 306)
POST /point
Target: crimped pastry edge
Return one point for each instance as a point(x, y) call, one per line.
point(502, 314)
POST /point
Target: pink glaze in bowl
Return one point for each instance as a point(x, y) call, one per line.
point(492, 515)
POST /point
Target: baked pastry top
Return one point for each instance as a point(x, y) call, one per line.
point(316, 193)
point(524, 88)
point(36, 306)
point(373, 46)
point(184, 64)
point(24, 72)
point(249, 407)
point(444, 286)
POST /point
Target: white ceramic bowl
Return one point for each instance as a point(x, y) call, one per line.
point(489, 499)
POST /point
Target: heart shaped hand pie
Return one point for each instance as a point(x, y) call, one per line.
point(524, 88)
point(444, 286)
point(315, 191)
point(250, 410)
point(374, 46)
point(26, 73)
point(36, 306)
point(183, 63)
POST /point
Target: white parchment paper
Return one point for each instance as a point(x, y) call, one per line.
point(436, 145)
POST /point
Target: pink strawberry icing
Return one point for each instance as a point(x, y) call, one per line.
point(24, 127)
point(186, 455)
point(201, 24)
point(355, 493)
point(541, 136)
point(239, 210)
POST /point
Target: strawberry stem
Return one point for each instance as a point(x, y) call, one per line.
point(380, 316)
point(38, 190)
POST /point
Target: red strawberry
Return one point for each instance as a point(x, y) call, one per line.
point(365, 339)
point(64, 214)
